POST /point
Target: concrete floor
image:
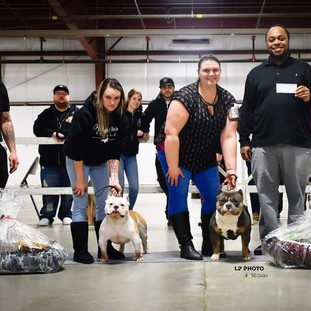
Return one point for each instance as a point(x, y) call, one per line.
point(180, 285)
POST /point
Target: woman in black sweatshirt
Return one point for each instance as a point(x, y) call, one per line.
point(128, 161)
point(92, 148)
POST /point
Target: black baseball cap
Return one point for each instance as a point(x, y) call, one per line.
point(60, 87)
point(166, 81)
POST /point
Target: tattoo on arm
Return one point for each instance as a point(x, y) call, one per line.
point(7, 130)
point(114, 170)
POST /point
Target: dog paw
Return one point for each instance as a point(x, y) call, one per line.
point(104, 258)
point(147, 251)
point(140, 258)
point(247, 258)
point(215, 257)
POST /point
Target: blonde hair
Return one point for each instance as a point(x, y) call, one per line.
point(130, 94)
point(101, 112)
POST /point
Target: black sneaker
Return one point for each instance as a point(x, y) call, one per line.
point(258, 251)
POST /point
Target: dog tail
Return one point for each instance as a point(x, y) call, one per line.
point(138, 218)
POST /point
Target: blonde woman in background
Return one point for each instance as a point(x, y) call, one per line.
point(128, 160)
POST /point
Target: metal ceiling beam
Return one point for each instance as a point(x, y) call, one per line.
point(45, 53)
point(140, 32)
point(89, 45)
point(185, 16)
point(111, 52)
point(107, 56)
point(198, 52)
point(88, 17)
point(130, 61)
point(117, 61)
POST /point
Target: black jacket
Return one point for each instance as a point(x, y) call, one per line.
point(84, 142)
point(131, 148)
point(156, 109)
point(47, 123)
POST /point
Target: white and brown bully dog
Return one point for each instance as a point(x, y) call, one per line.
point(121, 226)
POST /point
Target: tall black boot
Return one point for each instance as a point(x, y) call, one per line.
point(111, 251)
point(80, 236)
point(207, 247)
point(181, 226)
point(169, 223)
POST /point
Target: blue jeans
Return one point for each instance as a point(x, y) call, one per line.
point(99, 176)
point(129, 166)
point(53, 176)
point(206, 181)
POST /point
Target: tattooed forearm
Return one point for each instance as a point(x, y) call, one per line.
point(7, 130)
point(114, 169)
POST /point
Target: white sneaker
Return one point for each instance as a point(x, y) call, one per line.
point(44, 222)
point(67, 220)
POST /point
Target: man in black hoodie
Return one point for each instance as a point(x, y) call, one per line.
point(157, 110)
point(55, 122)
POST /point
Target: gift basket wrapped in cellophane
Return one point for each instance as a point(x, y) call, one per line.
point(290, 247)
point(22, 248)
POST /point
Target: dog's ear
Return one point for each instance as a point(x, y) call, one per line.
point(241, 192)
point(127, 198)
point(109, 195)
point(219, 191)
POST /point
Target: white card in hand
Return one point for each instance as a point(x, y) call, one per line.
point(286, 87)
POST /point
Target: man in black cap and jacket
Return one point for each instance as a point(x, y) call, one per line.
point(55, 122)
point(157, 110)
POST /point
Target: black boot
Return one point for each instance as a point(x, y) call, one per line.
point(169, 223)
point(181, 226)
point(80, 236)
point(111, 251)
point(207, 247)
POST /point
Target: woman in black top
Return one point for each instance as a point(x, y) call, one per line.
point(128, 161)
point(197, 120)
point(99, 129)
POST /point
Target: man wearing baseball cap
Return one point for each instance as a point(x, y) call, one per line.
point(157, 110)
point(55, 122)
point(60, 87)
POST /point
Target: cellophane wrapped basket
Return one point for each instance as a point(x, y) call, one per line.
point(290, 247)
point(22, 248)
